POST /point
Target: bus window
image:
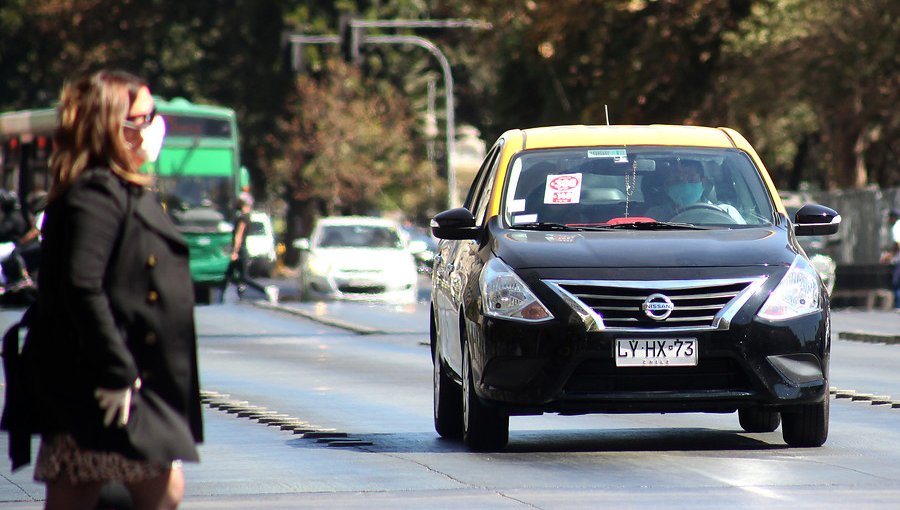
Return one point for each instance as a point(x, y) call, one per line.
point(181, 125)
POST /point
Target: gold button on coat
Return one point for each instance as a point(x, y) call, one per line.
point(151, 261)
point(150, 338)
point(153, 296)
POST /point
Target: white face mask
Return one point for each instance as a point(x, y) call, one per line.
point(153, 136)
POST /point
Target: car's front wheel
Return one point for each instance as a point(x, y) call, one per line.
point(484, 428)
point(806, 425)
point(759, 420)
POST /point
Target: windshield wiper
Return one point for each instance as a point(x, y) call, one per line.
point(643, 225)
point(543, 225)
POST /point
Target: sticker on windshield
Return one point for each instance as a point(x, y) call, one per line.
point(524, 218)
point(619, 155)
point(563, 189)
point(517, 205)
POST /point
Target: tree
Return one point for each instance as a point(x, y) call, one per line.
point(562, 62)
point(349, 149)
point(199, 50)
point(817, 86)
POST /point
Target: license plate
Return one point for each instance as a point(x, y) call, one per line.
point(656, 352)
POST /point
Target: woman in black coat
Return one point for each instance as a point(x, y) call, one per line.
point(114, 366)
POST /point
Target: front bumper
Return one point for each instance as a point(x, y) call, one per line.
point(561, 367)
point(361, 289)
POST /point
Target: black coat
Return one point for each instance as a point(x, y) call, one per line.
point(116, 303)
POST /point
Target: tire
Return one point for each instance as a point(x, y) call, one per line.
point(758, 420)
point(448, 408)
point(807, 425)
point(484, 428)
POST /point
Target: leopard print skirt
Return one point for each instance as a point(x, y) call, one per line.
point(60, 458)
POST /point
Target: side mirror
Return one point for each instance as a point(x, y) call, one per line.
point(456, 223)
point(301, 244)
point(816, 220)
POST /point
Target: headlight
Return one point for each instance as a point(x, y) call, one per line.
point(505, 295)
point(797, 294)
point(319, 265)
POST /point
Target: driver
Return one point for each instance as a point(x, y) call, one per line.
point(683, 189)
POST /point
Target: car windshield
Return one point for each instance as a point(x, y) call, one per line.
point(358, 236)
point(616, 186)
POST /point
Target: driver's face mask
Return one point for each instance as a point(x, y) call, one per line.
point(685, 193)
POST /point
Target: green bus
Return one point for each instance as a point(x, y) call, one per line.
point(198, 176)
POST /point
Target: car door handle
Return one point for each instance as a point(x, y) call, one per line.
point(450, 267)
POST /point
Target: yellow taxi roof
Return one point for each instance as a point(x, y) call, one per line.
point(576, 136)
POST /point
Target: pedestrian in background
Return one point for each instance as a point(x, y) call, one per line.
point(114, 362)
point(892, 254)
point(239, 269)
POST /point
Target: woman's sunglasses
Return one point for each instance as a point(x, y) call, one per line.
point(140, 122)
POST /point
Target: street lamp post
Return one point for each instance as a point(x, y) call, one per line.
point(421, 42)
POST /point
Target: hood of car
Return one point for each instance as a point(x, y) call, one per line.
point(652, 249)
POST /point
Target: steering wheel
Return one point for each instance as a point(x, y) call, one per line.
point(702, 211)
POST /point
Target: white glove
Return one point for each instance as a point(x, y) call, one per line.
point(116, 402)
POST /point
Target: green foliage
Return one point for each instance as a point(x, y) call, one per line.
point(812, 83)
point(815, 84)
point(561, 62)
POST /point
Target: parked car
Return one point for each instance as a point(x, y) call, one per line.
point(357, 258)
point(627, 269)
point(261, 244)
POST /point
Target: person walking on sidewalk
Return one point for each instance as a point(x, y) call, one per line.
point(238, 269)
point(112, 377)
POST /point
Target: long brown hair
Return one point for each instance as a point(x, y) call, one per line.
point(91, 112)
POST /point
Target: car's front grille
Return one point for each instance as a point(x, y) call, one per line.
point(711, 374)
point(657, 305)
point(362, 289)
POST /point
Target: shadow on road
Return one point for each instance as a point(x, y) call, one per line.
point(571, 441)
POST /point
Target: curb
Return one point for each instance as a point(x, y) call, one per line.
point(875, 338)
point(328, 321)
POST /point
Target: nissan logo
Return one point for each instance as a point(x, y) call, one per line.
point(658, 307)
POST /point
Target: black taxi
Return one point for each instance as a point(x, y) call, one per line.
point(627, 269)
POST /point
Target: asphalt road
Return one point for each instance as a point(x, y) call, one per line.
point(358, 430)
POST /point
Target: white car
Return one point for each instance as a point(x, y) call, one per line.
point(261, 244)
point(357, 258)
